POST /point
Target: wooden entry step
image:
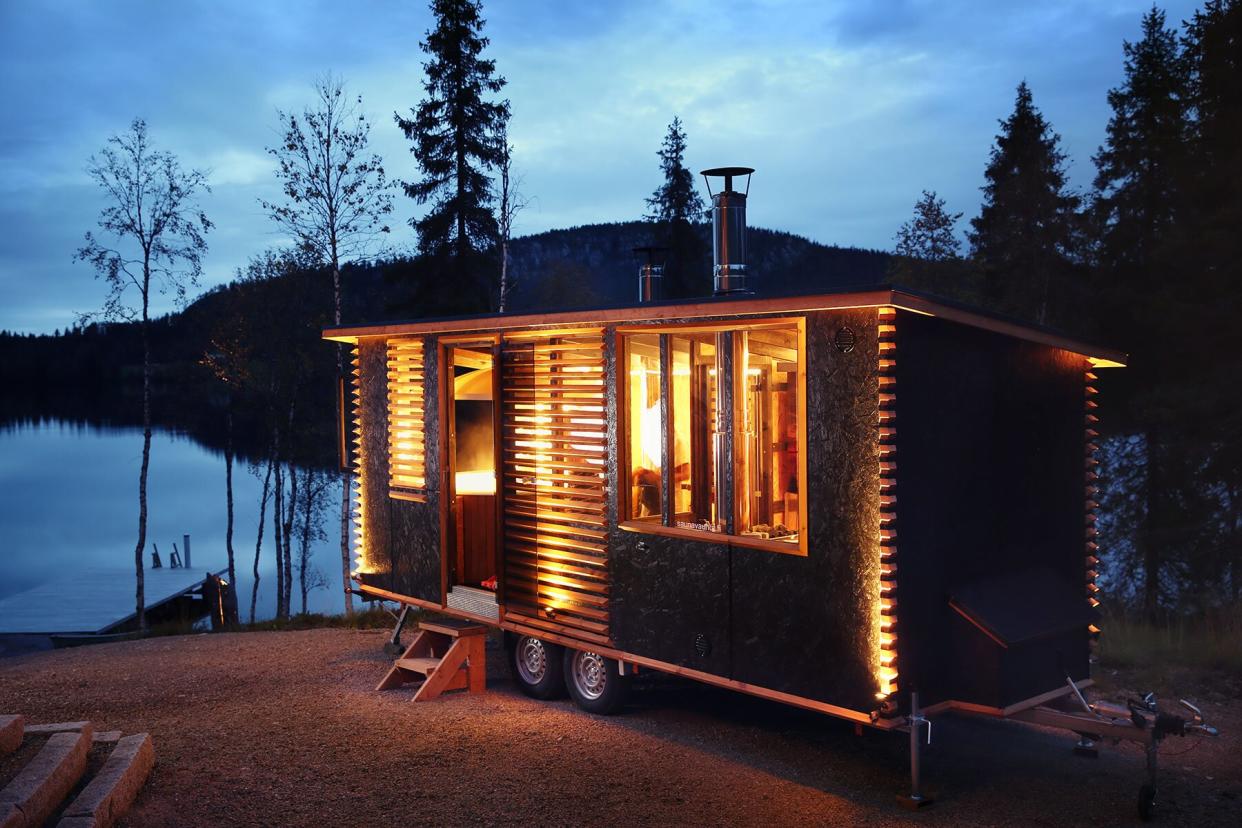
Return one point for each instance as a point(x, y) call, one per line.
point(444, 655)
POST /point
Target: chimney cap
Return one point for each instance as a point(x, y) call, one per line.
point(727, 173)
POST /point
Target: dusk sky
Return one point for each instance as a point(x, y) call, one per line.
point(846, 109)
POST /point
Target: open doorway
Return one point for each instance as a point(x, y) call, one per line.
point(472, 463)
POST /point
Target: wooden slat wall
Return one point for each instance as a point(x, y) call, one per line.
point(407, 457)
point(887, 634)
point(1092, 560)
point(555, 447)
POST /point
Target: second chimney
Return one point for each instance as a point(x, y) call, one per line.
point(728, 231)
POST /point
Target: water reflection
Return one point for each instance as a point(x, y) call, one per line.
point(70, 499)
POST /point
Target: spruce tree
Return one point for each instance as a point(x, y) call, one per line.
point(676, 207)
point(1138, 208)
point(1139, 165)
point(929, 236)
point(1026, 235)
point(458, 135)
point(1211, 296)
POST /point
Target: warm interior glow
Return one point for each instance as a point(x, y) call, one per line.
point(482, 482)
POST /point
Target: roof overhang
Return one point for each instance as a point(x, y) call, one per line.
point(906, 300)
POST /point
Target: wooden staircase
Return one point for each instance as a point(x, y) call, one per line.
point(444, 655)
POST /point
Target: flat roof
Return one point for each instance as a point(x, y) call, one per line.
point(738, 306)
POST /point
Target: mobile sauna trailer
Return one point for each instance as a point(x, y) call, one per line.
point(835, 501)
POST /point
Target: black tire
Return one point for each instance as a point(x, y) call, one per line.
point(1147, 802)
point(536, 666)
point(595, 683)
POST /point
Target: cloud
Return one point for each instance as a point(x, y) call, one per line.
point(848, 110)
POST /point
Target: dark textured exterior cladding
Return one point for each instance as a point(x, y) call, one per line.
point(799, 625)
point(990, 480)
point(402, 536)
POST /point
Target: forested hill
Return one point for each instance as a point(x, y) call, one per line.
point(594, 264)
point(94, 373)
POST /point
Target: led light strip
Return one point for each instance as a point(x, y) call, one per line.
point(1091, 469)
point(361, 564)
point(886, 611)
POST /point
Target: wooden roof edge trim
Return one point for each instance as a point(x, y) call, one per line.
point(638, 314)
point(1099, 356)
point(633, 314)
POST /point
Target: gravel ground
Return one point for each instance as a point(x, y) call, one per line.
point(283, 728)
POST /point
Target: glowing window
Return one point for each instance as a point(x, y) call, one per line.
point(646, 444)
point(694, 426)
point(730, 424)
point(765, 431)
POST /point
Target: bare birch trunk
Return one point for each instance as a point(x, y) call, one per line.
point(290, 514)
point(258, 543)
point(140, 609)
point(228, 489)
point(278, 503)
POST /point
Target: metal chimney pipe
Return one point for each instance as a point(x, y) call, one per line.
point(651, 274)
point(728, 231)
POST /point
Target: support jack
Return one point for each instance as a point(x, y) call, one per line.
point(917, 799)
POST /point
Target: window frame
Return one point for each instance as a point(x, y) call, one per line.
point(624, 494)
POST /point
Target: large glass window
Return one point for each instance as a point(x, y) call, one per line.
point(766, 434)
point(694, 425)
point(646, 437)
point(712, 410)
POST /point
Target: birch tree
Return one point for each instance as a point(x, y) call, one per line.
point(151, 235)
point(336, 199)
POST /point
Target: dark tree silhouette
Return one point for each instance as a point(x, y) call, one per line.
point(929, 235)
point(336, 204)
point(1139, 206)
point(512, 202)
point(458, 135)
point(153, 236)
point(1212, 46)
point(1026, 235)
point(675, 207)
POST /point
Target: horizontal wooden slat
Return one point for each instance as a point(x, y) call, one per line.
point(407, 464)
point(555, 452)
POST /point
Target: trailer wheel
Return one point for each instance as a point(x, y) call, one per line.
point(594, 682)
point(536, 667)
point(1147, 802)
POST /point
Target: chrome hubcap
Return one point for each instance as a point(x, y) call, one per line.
point(590, 674)
point(532, 660)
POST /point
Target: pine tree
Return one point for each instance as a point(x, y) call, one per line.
point(1211, 296)
point(1026, 235)
point(1138, 208)
point(676, 207)
point(458, 135)
point(929, 236)
point(1139, 165)
point(677, 199)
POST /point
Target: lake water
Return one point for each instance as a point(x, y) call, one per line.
point(70, 500)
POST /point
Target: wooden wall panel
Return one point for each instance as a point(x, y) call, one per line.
point(990, 482)
point(804, 625)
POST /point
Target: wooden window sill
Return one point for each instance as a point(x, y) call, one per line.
point(703, 536)
point(412, 496)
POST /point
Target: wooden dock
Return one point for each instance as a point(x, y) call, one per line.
point(94, 601)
